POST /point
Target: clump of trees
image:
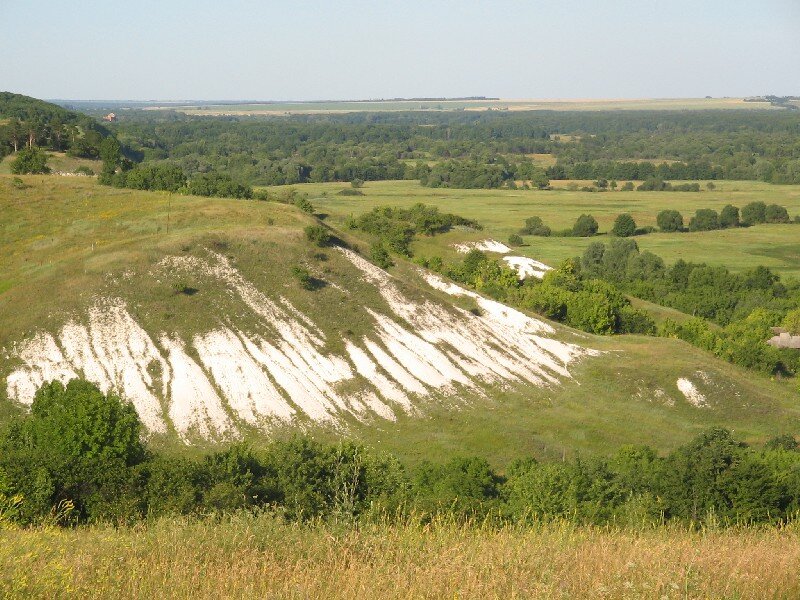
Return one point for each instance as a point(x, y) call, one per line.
point(395, 227)
point(745, 305)
point(77, 458)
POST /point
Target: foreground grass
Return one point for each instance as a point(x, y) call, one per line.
point(260, 556)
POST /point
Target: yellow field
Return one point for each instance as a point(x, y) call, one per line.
point(261, 557)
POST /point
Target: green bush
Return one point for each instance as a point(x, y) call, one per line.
point(704, 219)
point(585, 226)
point(775, 213)
point(535, 226)
point(669, 221)
point(754, 213)
point(515, 240)
point(303, 277)
point(379, 255)
point(729, 217)
point(31, 160)
point(319, 235)
point(624, 226)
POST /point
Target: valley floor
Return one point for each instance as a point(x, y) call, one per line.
point(246, 556)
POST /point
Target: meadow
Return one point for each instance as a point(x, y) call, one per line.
point(503, 212)
point(260, 556)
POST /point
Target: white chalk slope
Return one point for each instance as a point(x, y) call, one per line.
point(211, 385)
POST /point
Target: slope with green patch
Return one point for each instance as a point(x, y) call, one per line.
point(188, 307)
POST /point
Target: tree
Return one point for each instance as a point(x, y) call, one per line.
point(624, 226)
point(704, 219)
point(729, 217)
point(775, 213)
point(754, 213)
point(30, 160)
point(669, 220)
point(585, 226)
point(535, 226)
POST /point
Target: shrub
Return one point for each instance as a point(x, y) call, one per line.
point(379, 255)
point(627, 186)
point(165, 177)
point(754, 213)
point(585, 226)
point(729, 217)
point(791, 322)
point(704, 219)
point(535, 226)
point(219, 185)
point(633, 320)
point(304, 204)
point(624, 226)
point(77, 445)
point(775, 213)
point(318, 235)
point(515, 240)
point(303, 277)
point(84, 170)
point(357, 183)
point(669, 221)
point(350, 192)
point(30, 160)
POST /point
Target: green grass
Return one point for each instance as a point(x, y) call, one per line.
point(502, 212)
point(67, 241)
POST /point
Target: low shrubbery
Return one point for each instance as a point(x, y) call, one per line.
point(77, 458)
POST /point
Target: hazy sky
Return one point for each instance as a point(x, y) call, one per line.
point(357, 49)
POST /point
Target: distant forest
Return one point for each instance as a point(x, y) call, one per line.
point(491, 149)
point(440, 149)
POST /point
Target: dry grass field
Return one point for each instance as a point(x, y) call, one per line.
point(245, 556)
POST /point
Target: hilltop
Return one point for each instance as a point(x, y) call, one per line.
point(189, 307)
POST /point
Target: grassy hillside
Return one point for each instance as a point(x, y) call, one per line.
point(244, 557)
point(503, 212)
point(59, 162)
point(70, 245)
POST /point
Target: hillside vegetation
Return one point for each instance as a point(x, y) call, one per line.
point(172, 270)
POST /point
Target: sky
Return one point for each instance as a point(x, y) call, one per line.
point(359, 49)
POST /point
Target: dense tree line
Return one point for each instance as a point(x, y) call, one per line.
point(78, 458)
point(635, 145)
point(745, 304)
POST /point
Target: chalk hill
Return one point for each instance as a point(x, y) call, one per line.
point(188, 308)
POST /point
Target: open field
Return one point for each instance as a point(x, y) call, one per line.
point(244, 556)
point(332, 107)
point(503, 212)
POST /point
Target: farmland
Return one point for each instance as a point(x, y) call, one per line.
point(503, 212)
point(512, 105)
